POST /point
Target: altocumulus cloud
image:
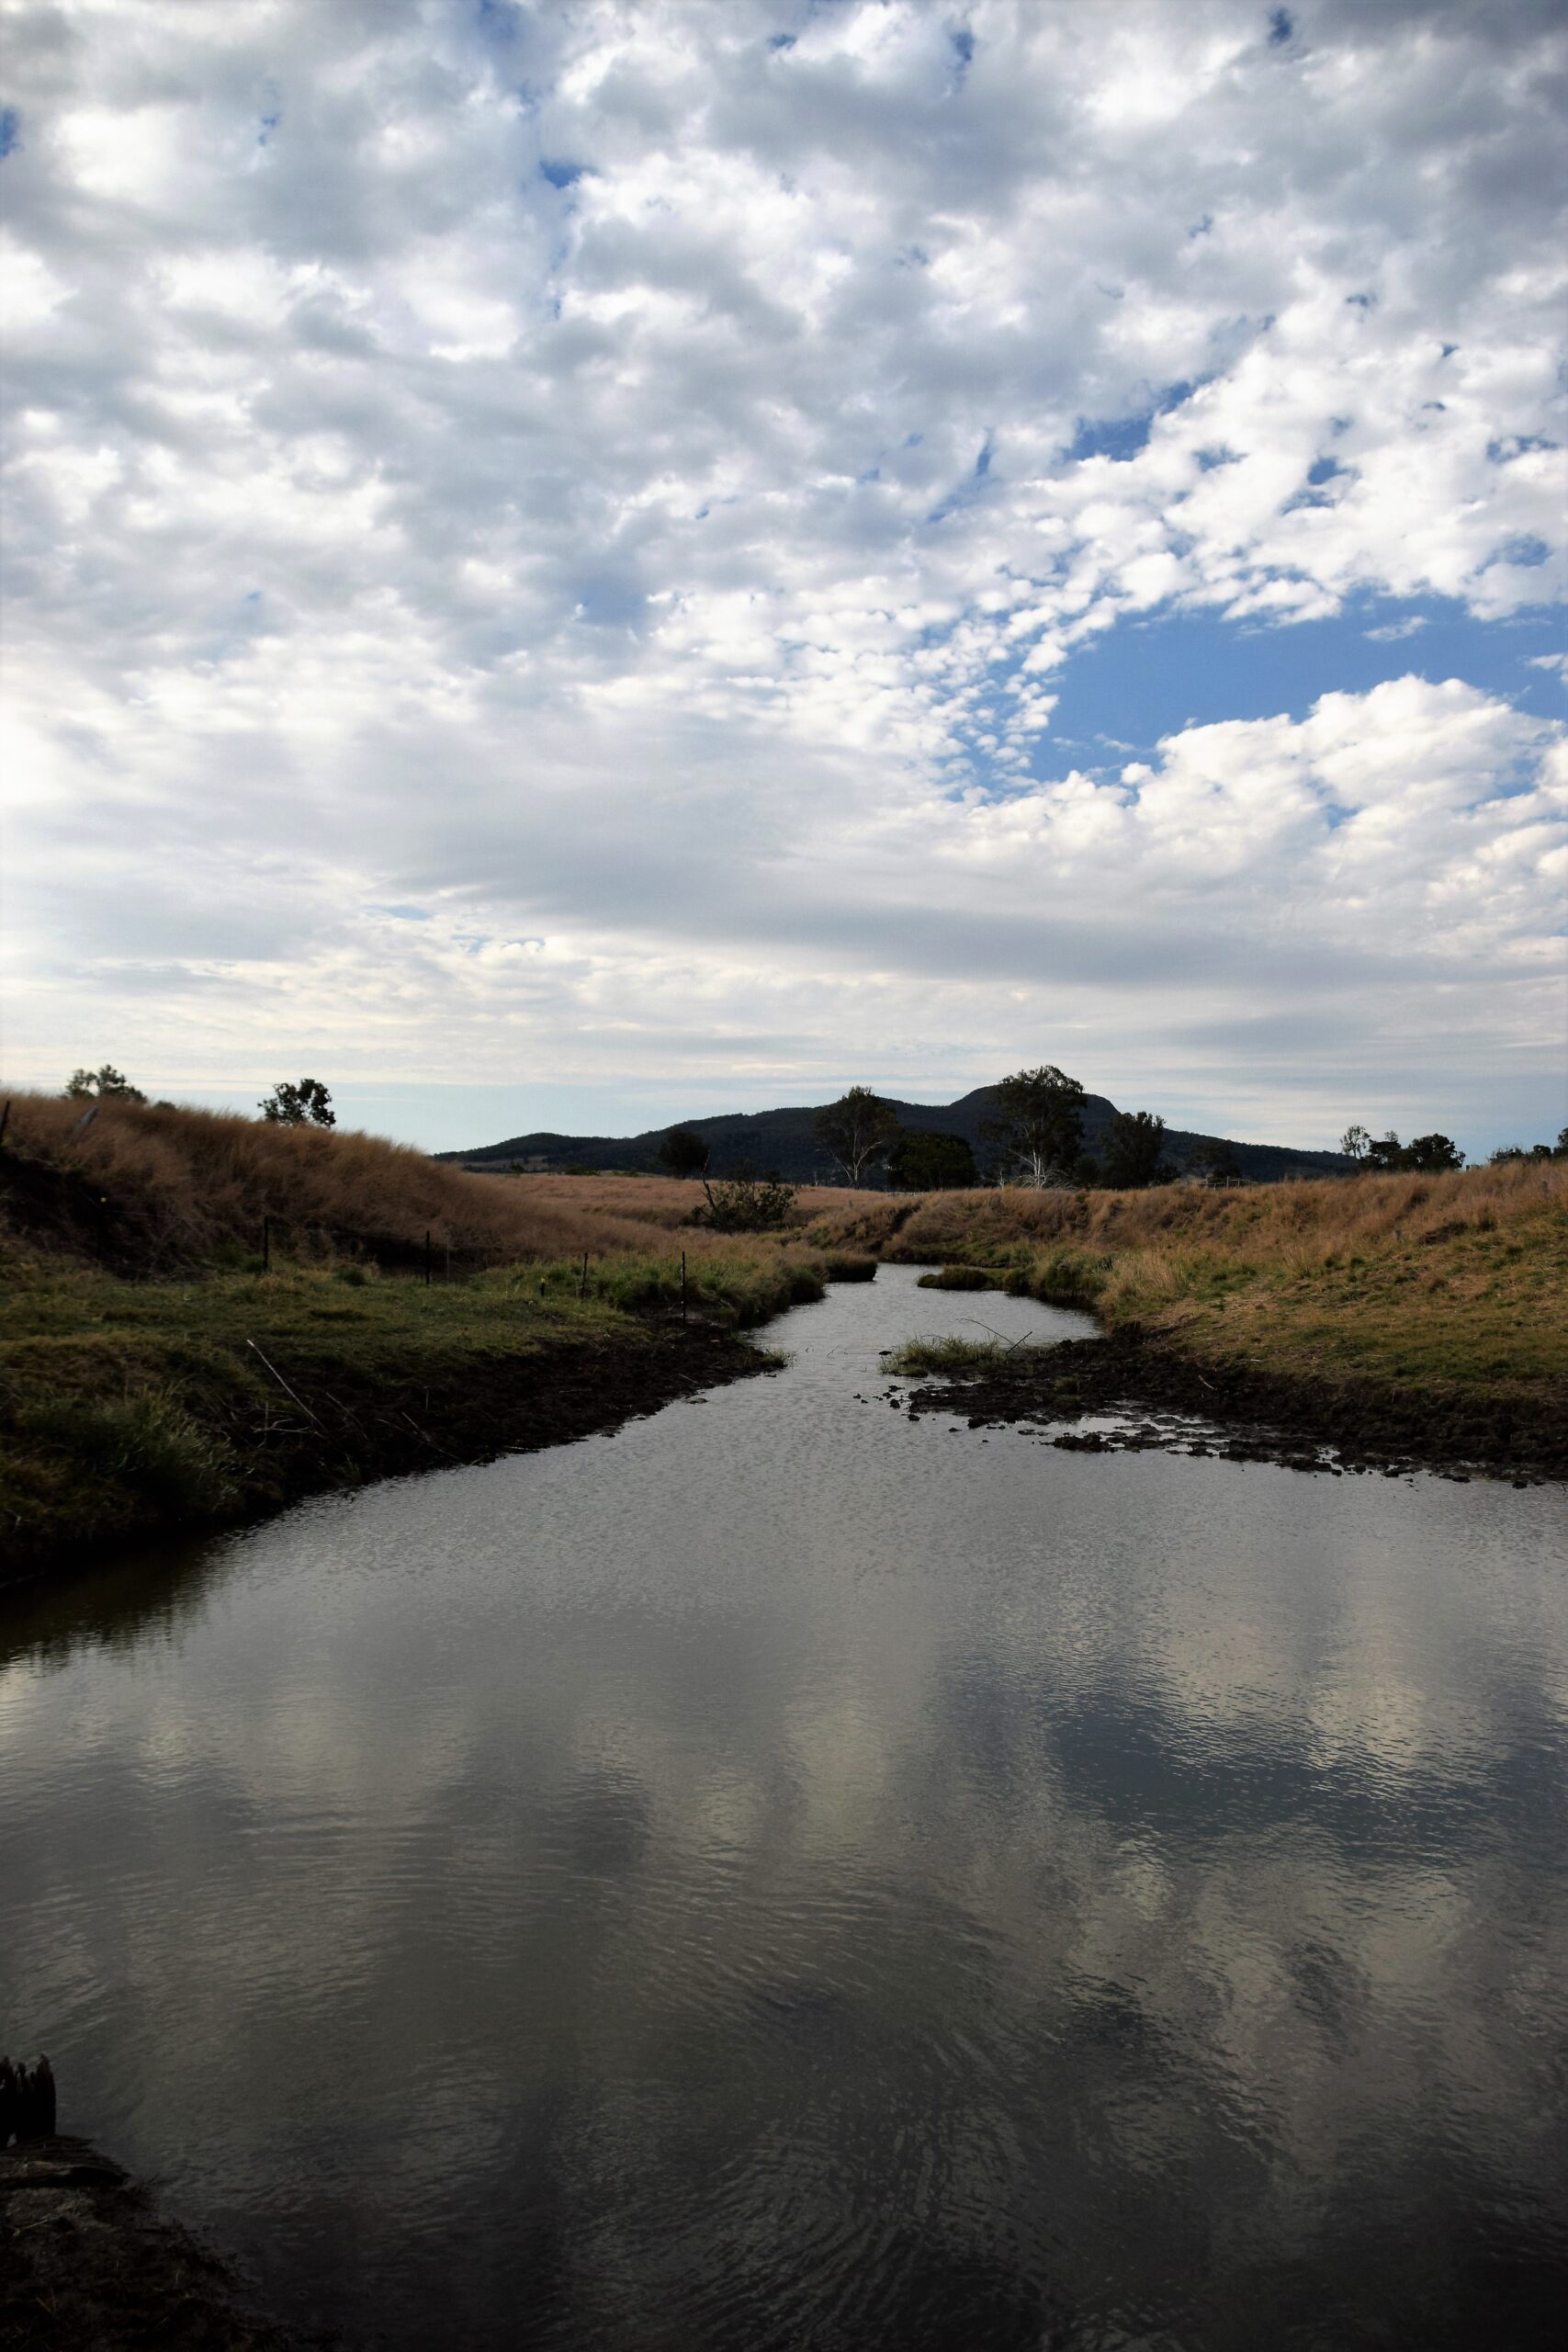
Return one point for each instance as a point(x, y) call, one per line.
point(543, 544)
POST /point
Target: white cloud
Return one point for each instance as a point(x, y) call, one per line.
point(680, 564)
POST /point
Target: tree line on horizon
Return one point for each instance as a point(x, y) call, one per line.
point(293, 1102)
point(1037, 1139)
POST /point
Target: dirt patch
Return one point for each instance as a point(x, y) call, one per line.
point(1310, 1422)
point(87, 2264)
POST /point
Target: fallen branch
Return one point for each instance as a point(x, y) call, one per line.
point(283, 1383)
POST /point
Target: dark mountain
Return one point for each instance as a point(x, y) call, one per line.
point(783, 1140)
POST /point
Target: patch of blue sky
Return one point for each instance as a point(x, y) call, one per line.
point(498, 19)
point(1121, 692)
point(1123, 437)
point(559, 173)
point(10, 130)
point(404, 914)
point(967, 490)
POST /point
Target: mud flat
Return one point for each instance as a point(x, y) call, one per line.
point(1311, 1421)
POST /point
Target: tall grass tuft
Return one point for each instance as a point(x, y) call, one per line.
point(918, 1356)
point(147, 1443)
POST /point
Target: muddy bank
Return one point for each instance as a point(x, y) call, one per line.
point(87, 2264)
point(1308, 1421)
point(320, 1430)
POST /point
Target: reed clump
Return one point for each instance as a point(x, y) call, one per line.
point(953, 1356)
point(849, 1266)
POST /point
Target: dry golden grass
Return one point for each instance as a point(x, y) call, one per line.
point(189, 1184)
point(666, 1202)
point(1429, 1280)
point(1296, 1224)
point(1423, 1278)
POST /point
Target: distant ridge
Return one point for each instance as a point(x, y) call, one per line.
point(783, 1140)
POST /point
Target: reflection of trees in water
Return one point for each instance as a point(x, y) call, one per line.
point(145, 1597)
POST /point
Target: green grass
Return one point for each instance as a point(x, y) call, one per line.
point(145, 1440)
point(129, 1404)
point(1462, 1311)
point(961, 1278)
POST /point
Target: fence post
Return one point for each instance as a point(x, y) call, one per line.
point(267, 1245)
point(583, 1279)
point(427, 1257)
point(683, 1285)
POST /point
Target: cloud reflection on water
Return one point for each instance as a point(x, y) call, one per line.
point(780, 1875)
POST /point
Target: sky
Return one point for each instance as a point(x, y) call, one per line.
point(575, 565)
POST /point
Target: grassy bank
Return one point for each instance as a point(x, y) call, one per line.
point(1427, 1281)
point(1397, 1318)
point(158, 1191)
point(203, 1317)
point(126, 1408)
point(154, 1374)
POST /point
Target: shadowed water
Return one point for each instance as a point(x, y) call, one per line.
point(777, 1877)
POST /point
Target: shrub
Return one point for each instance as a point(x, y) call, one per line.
point(745, 1204)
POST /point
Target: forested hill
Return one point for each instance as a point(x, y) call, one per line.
point(783, 1140)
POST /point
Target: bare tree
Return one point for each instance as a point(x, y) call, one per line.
point(1040, 1126)
point(858, 1129)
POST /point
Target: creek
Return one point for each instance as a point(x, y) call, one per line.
point(780, 1878)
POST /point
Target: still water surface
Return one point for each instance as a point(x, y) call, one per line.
point(778, 1877)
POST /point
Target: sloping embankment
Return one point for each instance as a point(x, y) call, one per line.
point(129, 1411)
